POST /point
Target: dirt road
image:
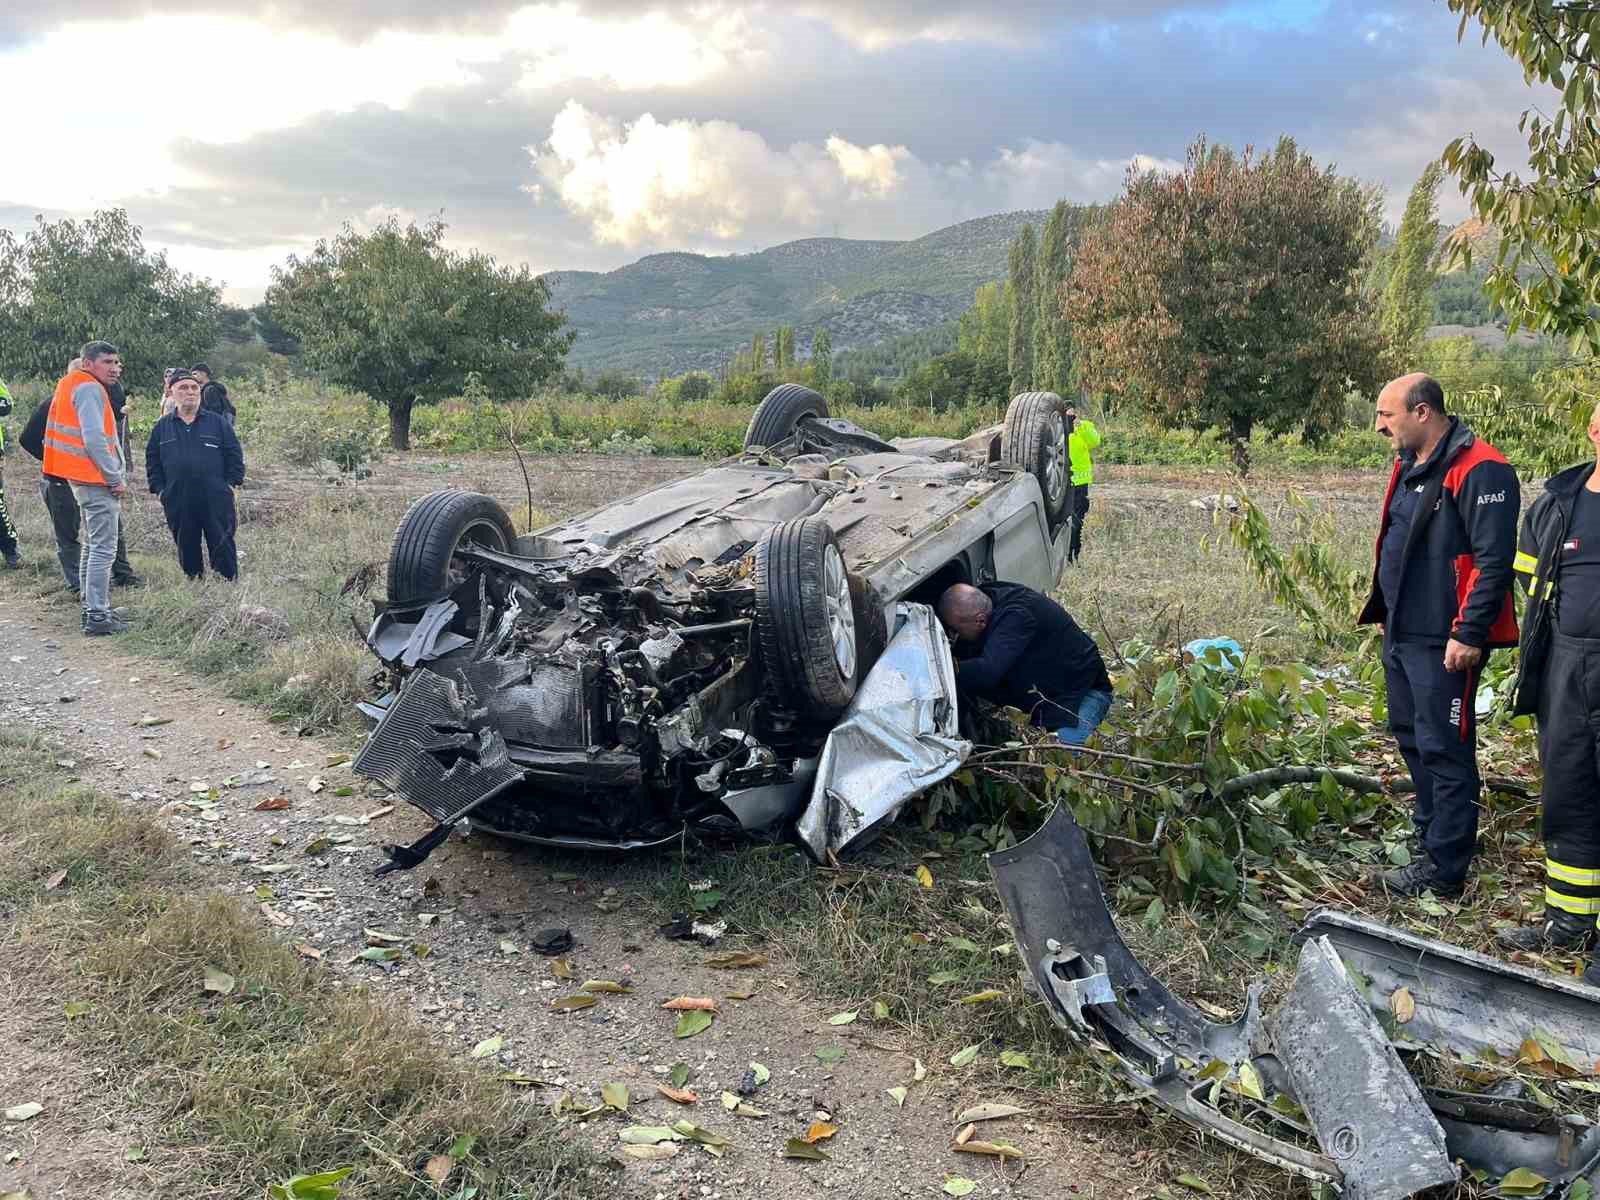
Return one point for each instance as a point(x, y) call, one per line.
point(206, 772)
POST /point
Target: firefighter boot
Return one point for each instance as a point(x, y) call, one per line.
point(1560, 930)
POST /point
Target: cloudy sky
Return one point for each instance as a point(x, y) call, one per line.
point(585, 134)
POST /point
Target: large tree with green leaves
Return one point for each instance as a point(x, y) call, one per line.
point(822, 357)
point(68, 282)
point(1024, 307)
point(1407, 308)
point(1052, 353)
point(1546, 270)
point(1226, 295)
point(397, 315)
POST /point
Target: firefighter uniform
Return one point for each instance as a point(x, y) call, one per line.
point(1558, 680)
point(194, 468)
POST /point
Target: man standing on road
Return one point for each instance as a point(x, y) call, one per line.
point(1023, 650)
point(1083, 438)
point(8, 531)
point(1558, 678)
point(81, 446)
point(1441, 590)
point(193, 462)
point(63, 508)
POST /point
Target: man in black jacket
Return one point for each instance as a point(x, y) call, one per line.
point(213, 396)
point(62, 506)
point(8, 531)
point(1019, 648)
point(193, 462)
point(1441, 590)
point(1558, 678)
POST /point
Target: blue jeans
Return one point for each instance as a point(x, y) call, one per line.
point(1091, 711)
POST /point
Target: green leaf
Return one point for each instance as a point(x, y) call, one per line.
point(799, 1148)
point(961, 943)
point(614, 1095)
point(679, 1075)
point(649, 1135)
point(844, 1018)
point(761, 1073)
point(77, 1008)
point(1015, 1058)
point(962, 1057)
point(1523, 1182)
point(943, 977)
point(880, 1011)
point(463, 1146)
point(691, 1022)
point(322, 1186)
point(1155, 913)
point(490, 1045)
point(898, 1095)
point(1195, 1184)
point(958, 1185)
point(830, 1055)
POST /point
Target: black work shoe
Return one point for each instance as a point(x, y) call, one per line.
point(130, 580)
point(102, 623)
point(1558, 931)
point(1591, 973)
point(1420, 876)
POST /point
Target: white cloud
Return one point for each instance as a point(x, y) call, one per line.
point(650, 183)
point(650, 50)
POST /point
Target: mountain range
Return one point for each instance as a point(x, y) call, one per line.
point(675, 312)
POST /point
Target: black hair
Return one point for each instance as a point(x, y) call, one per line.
point(94, 350)
point(1426, 391)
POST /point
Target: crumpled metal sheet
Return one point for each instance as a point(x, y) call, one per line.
point(897, 738)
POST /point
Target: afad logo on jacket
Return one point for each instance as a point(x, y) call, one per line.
point(1491, 498)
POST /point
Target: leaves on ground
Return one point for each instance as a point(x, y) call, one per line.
point(1402, 1005)
point(561, 968)
point(924, 876)
point(614, 1095)
point(691, 1004)
point(322, 1186)
point(739, 1108)
point(77, 1008)
point(962, 1057)
point(572, 1003)
point(438, 1168)
point(939, 978)
point(24, 1112)
point(830, 1055)
point(959, 1185)
point(1015, 1058)
point(844, 1018)
point(918, 1071)
point(880, 1011)
point(1523, 1182)
point(982, 997)
point(678, 1095)
point(898, 1095)
point(679, 1075)
point(820, 1131)
point(800, 1148)
point(966, 944)
point(610, 986)
point(736, 960)
point(759, 1073)
point(1195, 1184)
point(691, 1023)
point(1250, 1082)
point(379, 954)
point(489, 1045)
point(646, 1135)
point(273, 804)
point(651, 1150)
point(218, 981)
point(1000, 1150)
point(989, 1112)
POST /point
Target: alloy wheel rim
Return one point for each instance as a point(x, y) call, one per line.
point(1055, 457)
point(841, 617)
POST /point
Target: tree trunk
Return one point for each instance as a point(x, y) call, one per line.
point(400, 423)
point(1239, 444)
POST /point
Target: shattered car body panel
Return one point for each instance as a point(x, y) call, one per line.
point(613, 661)
point(1323, 1099)
point(898, 738)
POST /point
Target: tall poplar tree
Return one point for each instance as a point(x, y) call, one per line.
point(1024, 307)
point(1407, 308)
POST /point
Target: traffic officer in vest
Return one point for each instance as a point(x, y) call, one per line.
point(82, 447)
point(8, 531)
point(193, 462)
point(1083, 438)
point(1441, 590)
point(1558, 679)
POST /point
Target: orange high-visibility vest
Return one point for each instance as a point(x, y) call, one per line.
point(64, 453)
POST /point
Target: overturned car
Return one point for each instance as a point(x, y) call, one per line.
point(679, 658)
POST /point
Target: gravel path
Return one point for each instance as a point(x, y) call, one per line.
point(476, 904)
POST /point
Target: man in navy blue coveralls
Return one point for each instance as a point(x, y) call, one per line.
point(193, 462)
point(1019, 648)
point(1441, 589)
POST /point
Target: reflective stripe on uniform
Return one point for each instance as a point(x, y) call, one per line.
point(1578, 876)
point(1585, 906)
point(1525, 563)
point(76, 451)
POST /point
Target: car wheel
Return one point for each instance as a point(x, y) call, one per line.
point(423, 564)
point(780, 412)
point(1035, 439)
point(805, 616)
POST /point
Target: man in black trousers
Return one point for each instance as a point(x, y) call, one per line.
point(193, 462)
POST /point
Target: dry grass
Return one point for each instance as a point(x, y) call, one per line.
point(290, 1073)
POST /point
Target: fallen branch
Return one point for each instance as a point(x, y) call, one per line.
point(1272, 777)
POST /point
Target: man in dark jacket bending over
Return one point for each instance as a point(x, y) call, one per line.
point(1019, 648)
point(193, 462)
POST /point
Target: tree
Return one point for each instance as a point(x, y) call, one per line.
point(1546, 269)
point(1227, 295)
point(984, 334)
point(822, 357)
point(1024, 305)
point(783, 348)
point(395, 314)
point(758, 353)
point(1051, 352)
point(234, 325)
point(68, 282)
point(1407, 309)
point(278, 339)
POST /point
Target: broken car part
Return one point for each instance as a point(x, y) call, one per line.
point(1314, 1089)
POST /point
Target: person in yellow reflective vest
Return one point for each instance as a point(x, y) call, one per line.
point(8, 530)
point(1084, 438)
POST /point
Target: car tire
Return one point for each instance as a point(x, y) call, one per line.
point(780, 412)
point(805, 618)
point(429, 535)
point(1035, 439)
